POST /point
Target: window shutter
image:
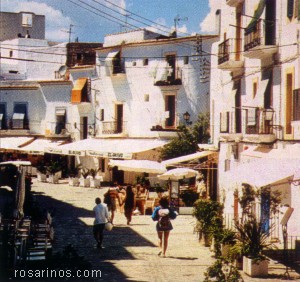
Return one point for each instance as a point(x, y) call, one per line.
point(298, 10)
point(290, 8)
point(296, 104)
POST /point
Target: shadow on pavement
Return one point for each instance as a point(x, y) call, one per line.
point(70, 229)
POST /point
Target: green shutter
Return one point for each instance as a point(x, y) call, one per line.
point(298, 10)
point(257, 14)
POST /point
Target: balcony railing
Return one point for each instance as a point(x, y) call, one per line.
point(114, 127)
point(259, 121)
point(229, 50)
point(170, 77)
point(58, 128)
point(257, 37)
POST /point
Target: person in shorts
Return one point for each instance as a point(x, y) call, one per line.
point(163, 214)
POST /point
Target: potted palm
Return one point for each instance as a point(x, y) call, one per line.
point(41, 171)
point(254, 239)
point(84, 181)
point(53, 169)
point(94, 182)
point(74, 175)
point(253, 230)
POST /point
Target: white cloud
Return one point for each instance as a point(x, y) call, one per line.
point(159, 27)
point(55, 20)
point(120, 3)
point(208, 25)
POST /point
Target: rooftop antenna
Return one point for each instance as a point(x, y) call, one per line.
point(69, 31)
point(177, 19)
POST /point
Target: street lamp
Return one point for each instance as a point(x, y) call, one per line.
point(186, 117)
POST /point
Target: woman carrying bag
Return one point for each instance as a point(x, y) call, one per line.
point(163, 214)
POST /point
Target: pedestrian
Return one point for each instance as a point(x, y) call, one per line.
point(111, 198)
point(101, 217)
point(163, 214)
point(129, 203)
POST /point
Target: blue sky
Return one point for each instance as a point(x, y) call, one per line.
point(92, 19)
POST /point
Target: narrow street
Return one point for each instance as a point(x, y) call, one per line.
point(130, 252)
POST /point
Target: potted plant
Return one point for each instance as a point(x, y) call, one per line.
point(189, 197)
point(254, 239)
point(94, 182)
point(74, 175)
point(253, 229)
point(53, 169)
point(227, 240)
point(209, 215)
point(41, 171)
point(84, 181)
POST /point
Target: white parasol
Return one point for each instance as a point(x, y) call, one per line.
point(178, 173)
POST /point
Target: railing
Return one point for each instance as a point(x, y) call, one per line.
point(255, 37)
point(175, 78)
point(229, 49)
point(113, 127)
point(56, 128)
point(258, 36)
point(259, 121)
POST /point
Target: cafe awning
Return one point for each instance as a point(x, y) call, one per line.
point(187, 158)
point(13, 143)
point(107, 148)
point(37, 146)
point(138, 166)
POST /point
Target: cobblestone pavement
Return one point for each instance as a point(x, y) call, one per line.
point(130, 252)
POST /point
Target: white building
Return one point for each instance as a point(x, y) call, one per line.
point(255, 101)
point(147, 82)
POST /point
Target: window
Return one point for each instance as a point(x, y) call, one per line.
point(170, 106)
point(79, 56)
point(146, 98)
point(26, 20)
point(224, 122)
point(19, 118)
point(145, 62)
point(134, 64)
point(290, 8)
point(288, 109)
point(11, 53)
point(186, 60)
point(254, 89)
point(60, 124)
point(2, 116)
point(101, 114)
point(296, 104)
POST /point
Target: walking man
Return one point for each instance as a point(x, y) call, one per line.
point(101, 217)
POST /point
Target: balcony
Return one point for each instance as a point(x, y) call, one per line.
point(169, 77)
point(259, 44)
point(114, 127)
point(56, 129)
point(234, 3)
point(259, 125)
point(229, 55)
